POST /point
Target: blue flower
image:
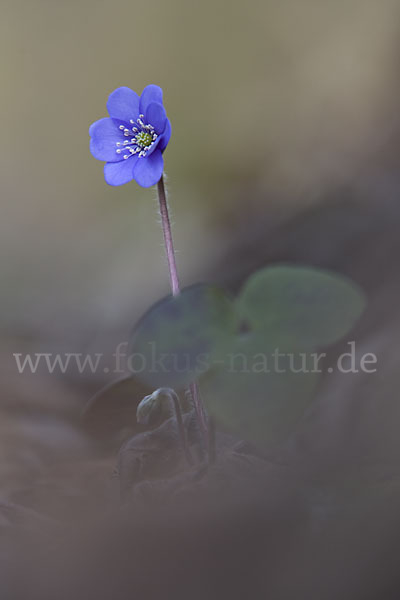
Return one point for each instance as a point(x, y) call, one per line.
point(133, 139)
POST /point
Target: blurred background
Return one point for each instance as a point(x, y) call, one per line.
point(285, 147)
point(274, 107)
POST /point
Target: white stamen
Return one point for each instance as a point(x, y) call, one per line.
point(136, 145)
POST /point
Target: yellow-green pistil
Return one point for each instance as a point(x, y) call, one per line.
point(144, 139)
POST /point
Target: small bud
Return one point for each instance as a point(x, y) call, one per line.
point(149, 409)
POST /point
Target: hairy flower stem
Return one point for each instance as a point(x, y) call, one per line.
point(173, 275)
point(169, 246)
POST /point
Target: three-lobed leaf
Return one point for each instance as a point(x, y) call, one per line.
point(308, 306)
point(180, 336)
point(262, 390)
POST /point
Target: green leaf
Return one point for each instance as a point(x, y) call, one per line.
point(178, 338)
point(303, 305)
point(256, 393)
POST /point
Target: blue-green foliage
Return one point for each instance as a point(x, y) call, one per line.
point(255, 356)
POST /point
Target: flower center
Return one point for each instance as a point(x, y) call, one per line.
point(142, 138)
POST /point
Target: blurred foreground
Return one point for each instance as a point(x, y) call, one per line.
point(317, 516)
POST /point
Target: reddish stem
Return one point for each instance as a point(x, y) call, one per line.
point(169, 246)
point(173, 275)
